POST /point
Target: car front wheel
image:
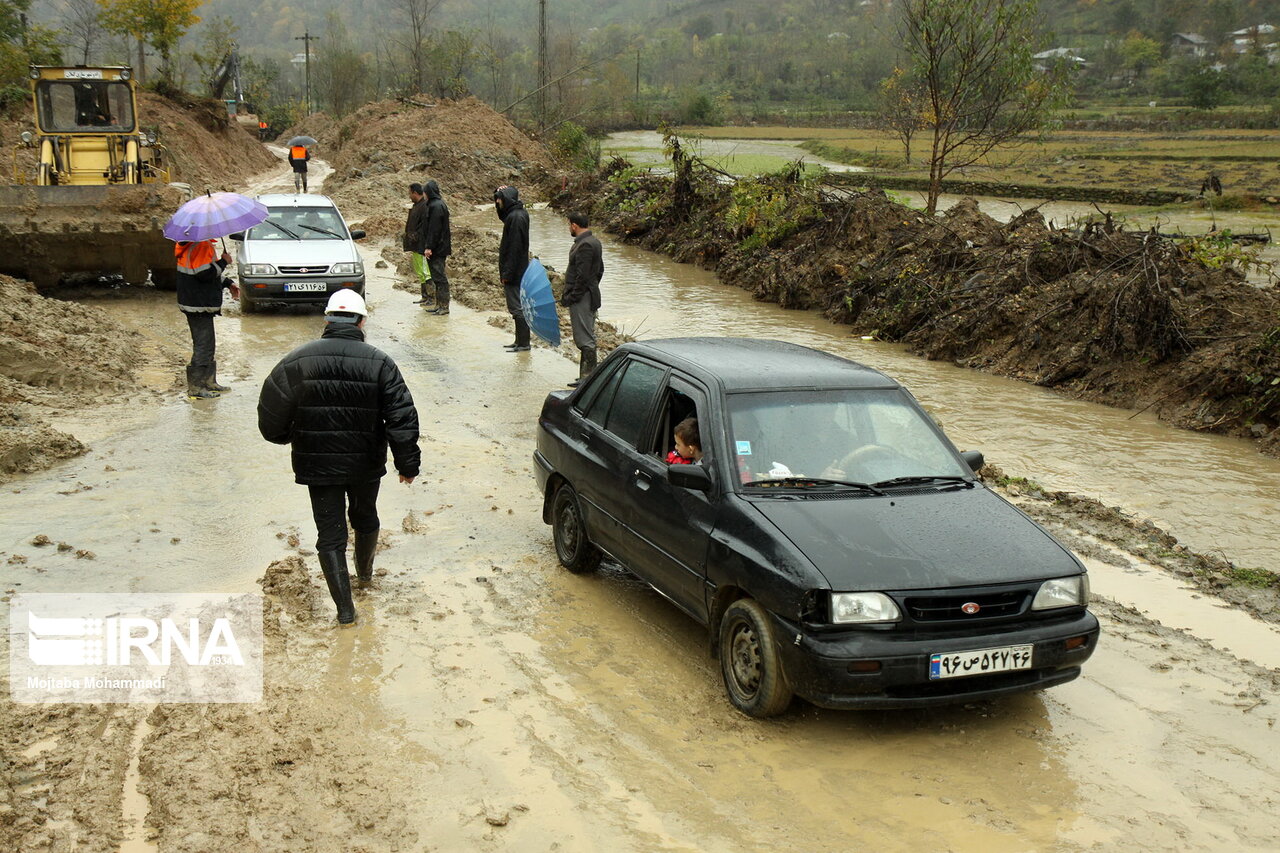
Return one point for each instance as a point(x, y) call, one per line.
point(749, 661)
point(573, 548)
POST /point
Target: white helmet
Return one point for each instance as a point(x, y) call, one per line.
point(346, 301)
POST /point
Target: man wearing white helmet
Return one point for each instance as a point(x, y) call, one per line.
point(340, 403)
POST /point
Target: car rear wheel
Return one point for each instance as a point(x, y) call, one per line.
point(749, 661)
point(573, 548)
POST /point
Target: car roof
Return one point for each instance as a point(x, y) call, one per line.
point(296, 200)
point(750, 364)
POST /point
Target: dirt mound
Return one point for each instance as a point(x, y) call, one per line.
point(1125, 318)
point(53, 354)
point(380, 149)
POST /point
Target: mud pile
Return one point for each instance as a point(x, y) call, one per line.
point(53, 354)
point(1124, 318)
point(377, 151)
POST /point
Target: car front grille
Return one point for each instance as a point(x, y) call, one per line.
point(950, 608)
point(307, 270)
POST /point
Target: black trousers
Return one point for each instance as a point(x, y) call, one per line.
point(329, 507)
point(517, 313)
point(203, 343)
point(436, 266)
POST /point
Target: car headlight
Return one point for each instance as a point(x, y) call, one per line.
point(1062, 592)
point(849, 608)
point(347, 269)
point(257, 269)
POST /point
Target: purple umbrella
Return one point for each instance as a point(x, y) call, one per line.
point(214, 215)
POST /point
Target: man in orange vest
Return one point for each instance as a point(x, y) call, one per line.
point(262, 129)
point(298, 157)
point(200, 286)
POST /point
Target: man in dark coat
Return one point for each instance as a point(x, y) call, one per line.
point(582, 291)
point(200, 285)
point(415, 240)
point(513, 257)
point(340, 402)
point(439, 244)
point(299, 156)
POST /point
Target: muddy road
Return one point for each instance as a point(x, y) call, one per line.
point(489, 700)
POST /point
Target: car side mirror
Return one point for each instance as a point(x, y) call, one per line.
point(689, 477)
point(357, 234)
point(974, 459)
point(238, 236)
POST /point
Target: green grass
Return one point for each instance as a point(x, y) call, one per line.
point(1256, 578)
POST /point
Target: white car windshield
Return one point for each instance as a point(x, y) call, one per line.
point(863, 436)
point(300, 223)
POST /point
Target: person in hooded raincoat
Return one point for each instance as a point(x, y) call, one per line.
point(513, 258)
point(438, 244)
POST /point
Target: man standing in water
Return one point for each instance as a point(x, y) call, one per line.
point(582, 291)
point(200, 285)
point(438, 245)
point(415, 240)
point(513, 258)
point(340, 402)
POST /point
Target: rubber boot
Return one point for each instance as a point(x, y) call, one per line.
point(586, 364)
point(427, 297)
point(211, 380)
point(522, 336)
point(196, 389)
point(366, 547)
point(334, 566)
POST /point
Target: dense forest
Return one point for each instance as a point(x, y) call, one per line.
point(617, 62)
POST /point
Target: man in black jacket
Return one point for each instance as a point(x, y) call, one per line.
point(513, 257)
point(582, 291)
point(415, 240)
point(439, 244)
point(200, 282)
point(340, 402)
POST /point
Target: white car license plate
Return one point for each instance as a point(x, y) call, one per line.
point(979, 662)
point(306, 285)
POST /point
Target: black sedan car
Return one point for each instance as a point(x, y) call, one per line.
point(832, 539)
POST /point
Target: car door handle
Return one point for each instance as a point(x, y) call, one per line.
point(643, 480)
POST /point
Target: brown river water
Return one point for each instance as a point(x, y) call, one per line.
point(489, 700)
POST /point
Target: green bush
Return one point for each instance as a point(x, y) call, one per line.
point(575, 148)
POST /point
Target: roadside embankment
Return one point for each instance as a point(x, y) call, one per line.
point(1123, 318)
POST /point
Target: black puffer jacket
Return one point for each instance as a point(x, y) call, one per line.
point(513, 251)
point(438, 237)
point(340, 402)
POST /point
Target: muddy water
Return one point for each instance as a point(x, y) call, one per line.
point(651, 154)
point(1216, 493)
point(500, 703)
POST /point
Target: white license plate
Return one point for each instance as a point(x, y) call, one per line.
point(306, 285)
point(979, 662)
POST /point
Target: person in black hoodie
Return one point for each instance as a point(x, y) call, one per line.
point(513, 257)
point(340, 402)
point(438, 244)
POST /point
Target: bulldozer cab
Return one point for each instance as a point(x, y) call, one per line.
point(86, 121)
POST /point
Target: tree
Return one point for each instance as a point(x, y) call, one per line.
point(900, 102)
point(415, 18)
point(218, 37)
point(1139, 53)
point(972, 62)
point(83, 25)
point(21, 45)
point(341, 75)
point(159, 23)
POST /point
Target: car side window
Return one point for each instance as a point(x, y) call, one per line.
point(633, 400)
point(595, 402)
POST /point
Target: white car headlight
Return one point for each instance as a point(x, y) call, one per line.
point(849, 608)
point(257, 269)
point(347, 269)
point(1062, 592)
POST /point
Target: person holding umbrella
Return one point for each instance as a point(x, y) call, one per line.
point(194, 228)
point(513, 258)
point(299, 154)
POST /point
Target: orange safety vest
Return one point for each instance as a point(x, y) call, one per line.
point(298, 152)
point(193, 257)
point(262, 125)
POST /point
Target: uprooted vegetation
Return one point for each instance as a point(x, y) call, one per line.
point(1126, 318)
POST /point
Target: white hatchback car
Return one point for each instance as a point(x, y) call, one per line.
point(302, 253)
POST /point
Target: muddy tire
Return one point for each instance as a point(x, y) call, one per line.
point(573, 548)
point(749, 661)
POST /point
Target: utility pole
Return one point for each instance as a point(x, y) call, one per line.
point(543, 73)
point(637, 75)
point(306, 38)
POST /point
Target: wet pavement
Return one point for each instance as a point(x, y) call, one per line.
point(498, 702)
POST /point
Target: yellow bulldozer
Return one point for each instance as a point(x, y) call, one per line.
point(101, 191)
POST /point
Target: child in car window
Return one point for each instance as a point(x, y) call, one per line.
point(688, 444)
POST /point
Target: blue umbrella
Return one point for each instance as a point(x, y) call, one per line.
point(539, 303)
point(214, 215)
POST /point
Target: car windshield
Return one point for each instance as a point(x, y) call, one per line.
point(856, 436)
point(300, 223)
